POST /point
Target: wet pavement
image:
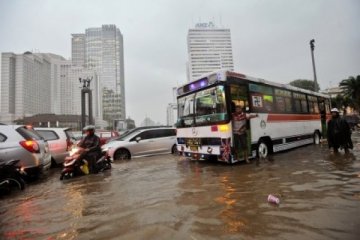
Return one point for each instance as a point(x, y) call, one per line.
point(168, 197)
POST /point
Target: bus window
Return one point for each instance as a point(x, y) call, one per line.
point(186, 110)
point(210, 106)
point(239, 96)
point(300, 103)
point(261, 98)
point(313, 104)
point(283, 101)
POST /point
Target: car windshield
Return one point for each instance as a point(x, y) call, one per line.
point(202, 108)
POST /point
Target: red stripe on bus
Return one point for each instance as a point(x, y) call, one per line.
point(292, 117)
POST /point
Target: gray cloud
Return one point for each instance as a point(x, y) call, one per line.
point(270, 39)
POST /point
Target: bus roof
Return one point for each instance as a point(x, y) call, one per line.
point(222, 75)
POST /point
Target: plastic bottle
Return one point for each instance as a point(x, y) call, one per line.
point(273, 199)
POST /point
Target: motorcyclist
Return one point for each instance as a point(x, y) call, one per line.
point(91, 147)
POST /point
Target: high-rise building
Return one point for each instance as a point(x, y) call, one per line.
point(209, 49)
point(78, 49)
point(43, 83)
point(25, 85)
point(104, 53)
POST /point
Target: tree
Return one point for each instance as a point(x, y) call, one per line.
point(341, 102)
point(351, 89)
point(304, 84)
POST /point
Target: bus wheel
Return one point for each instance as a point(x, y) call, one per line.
point(317, 138)
point(262, 149)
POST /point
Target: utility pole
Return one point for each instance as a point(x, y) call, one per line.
point(86, 90)
point(312, 47)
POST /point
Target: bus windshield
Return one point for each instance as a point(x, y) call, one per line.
point(203, 107)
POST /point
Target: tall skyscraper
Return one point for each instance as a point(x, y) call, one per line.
point(104, 53)
point(209, 49)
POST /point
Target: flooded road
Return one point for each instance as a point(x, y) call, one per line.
point(168, 197)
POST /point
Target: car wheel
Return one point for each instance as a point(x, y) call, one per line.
point(122, 154)
point(174, 150)
point(16, 183)
point(53, 163)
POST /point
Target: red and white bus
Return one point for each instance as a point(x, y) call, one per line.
point(288, 116)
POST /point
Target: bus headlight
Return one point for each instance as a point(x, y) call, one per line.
point(223, 128)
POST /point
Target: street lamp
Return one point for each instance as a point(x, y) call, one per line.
point(312, 47)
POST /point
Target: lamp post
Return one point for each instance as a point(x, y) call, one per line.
point(312, 47)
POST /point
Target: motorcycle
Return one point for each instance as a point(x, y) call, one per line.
point(11, 176)
point(75, 167)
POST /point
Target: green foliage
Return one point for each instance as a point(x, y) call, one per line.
point(351, 89)
point(305, 84)
point(341, 102)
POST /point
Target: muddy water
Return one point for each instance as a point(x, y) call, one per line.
point(166, 197)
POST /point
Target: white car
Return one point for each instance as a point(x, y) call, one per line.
point(60, 141)
point(24, 143)
point(143, 141)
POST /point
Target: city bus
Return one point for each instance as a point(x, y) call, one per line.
point(288, 116)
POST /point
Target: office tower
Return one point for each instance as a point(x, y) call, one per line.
point(105, 55)
point(43, 83)
point(78, 49)
point(209, 49)
point(25, 85)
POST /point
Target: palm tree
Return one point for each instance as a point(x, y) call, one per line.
point(351, 89)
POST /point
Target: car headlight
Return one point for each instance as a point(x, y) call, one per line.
point(105, 149)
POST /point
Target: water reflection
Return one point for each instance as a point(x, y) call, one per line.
point(165, 197)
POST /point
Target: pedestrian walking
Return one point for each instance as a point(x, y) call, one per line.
point(338, 133)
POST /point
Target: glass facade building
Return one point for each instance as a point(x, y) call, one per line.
point(103, 53)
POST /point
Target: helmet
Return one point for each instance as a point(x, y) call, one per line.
point(334, 110)
point(89, 128)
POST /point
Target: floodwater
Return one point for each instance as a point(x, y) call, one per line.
point(168, 197)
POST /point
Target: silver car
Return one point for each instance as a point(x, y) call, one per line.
point(142, 142)
point(24, 143)
point(60, 141)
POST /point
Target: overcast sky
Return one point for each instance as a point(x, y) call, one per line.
point(270, 39)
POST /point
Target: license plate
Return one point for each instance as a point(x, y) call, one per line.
point(193, 141)
point(194, 148)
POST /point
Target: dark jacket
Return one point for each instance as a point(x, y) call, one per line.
point(91, 142)
point(339, 133)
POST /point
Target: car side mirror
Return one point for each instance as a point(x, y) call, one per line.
point(138, 139)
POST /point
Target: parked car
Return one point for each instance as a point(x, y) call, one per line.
point(143, 142)
point(60, 141)
point(106, 136)
point(25, 144)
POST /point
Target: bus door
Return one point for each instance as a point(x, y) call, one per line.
point(239, 97)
